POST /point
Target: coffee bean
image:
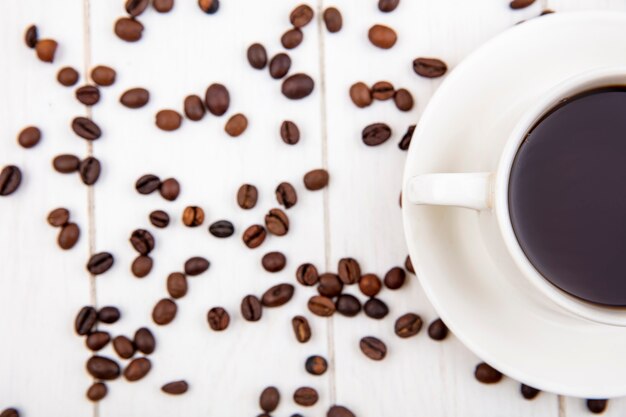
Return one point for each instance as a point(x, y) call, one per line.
point(373, 348)
point(289, 132)
point(177, 285)
point(10, 412)
point(196, 265)
point(97, 340)
point(301, 16)
point(10, 180)
point(164, 311)
point(141, 266)
point(217, 99)
point(375, 308)
point(142, 240)
point(46, 49)
point(382, 36)
point(348, 305)
point(332, 19)
point(321, 306)
point(251, 308)
point(68, 236)
point(104, 368)
point(127, 29)
point(408, 325)
point(218, 318)
point(437, 330)
point(135, 98)
point(67, 76)
point(100, 263)
point(277, 222)
point(270, 397)
point(159, 218)
point(360, 94)
point(395, 278)
point(31, 36)
point(370, 285)
point(194, 108)
point(529, 392)
point(486, 374)
point(349, 271)
point(144, 341)
point(137, 369)
point(376, 134)
point(175, 387)
point(257, 56)
point(209, 6)
point(105, 76)
point(429, 67)
point(316, 179)
point(301, 329)
point(277, 295)
point(403, 100)
point(124, 347)
point(387, 6)
point(97, 391)
point(520, 4)
point(163, 6)
point(316, 365)
point(193, 216)
point(169, 189)
point(247, 196)
point(85, 320)
point(297, 86)
point(254, 236)
point(86, 128)
point(168, 120)
point(29, 137)
point(408, 265)
point(546, 11)
point(306, 274)
point(406, 140)
point(222, 229)
point(279, 66)
point(286, 195)
point(382, 90)
point(292, 38)
point(147, 184)
point(329, 285)
point(89, 170)
point(66, 164)
point(597, 406)
point(339, 411)
point(236, 125)
point(305, 396)
point(273, 261)
point(109, 315)
point(59, 217)
point(136, 7)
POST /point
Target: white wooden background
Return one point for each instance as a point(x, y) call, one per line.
point(42, 288)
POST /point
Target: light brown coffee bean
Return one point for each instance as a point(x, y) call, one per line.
point(305, 396)
point(164, 311)
point(429, 67)
point(218, 318)
point(236, 125)
point(46, 50)
point(382, 36)
point(370, 285)
point(175, 387)
point(292, 38)
point(68, 236)
point(194, 108)
point(168, 120)
point(247, 196)
point(301, 329)
point(135, 98)
point(128, 29)
point(67, 76)
point(321, 306)
point(103, 76)
point(316, 179)
point(137, 369)
point(373, 348)
point(382, 90)
point(29, 137)
point(177, 285)
point(277, 222)
point(360, 94)
point(301, 16)
point(332, 19)
point(193, 216)
point(254, 236)
point(403, 99)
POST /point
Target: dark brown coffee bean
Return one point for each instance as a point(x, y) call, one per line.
point(31, 36)
point(247, 196)
point(373, 348)
point(169, 189)
point(217, 99)
point(277, 222)
point(520, 4)
point(29, 137)
point(387, 6)
point(127, 29)
point(376, 134)
point(236, 125)
point(68, 236)
point(279, 65)
point(301, 16)
point(321, 306)
point(403, 99)
point(135, 98)
point(222, 229)
point(193, 216)
point(429, 67)
point(297, 86)
point(218, 318)
point(486, 374)
point(348, 305)
point(382, 90)
point(177, 285)
point(144, 341)
point(301, 329)
point(597, 406)
point(209, 6)
point(141, 266)
point(339, 411)
point(437, 330)
point(349, 271)
point(277, 295)
point(10, 412)
point(408, 325)
point(286, 195)
point(89, 170)
point(97, 391)
point(97, 340)
point(305, 396)
point(103, 76)
point(306, 274)
point(66, 164)
point(395, 278)
point(196, 265)
point(408, 265)
point(194, 108)
point(405, 142)
point(163, 6)
point(164, 312)
point(375, 308)
point(270, 397)
point(136, 7)
point(529, 392)
point(168, 120)
point(316, 179)
point(251, 308)
point(109, 315)
point(147, 184)
point(58, 217)
point(289, 132)
point(360, 94)
point(292, 38)
point(100, 263)
point(137, 369)
point(10, 180)
point(159, 218)
point(85, 320)
point(175, 387)
point(273, 261)
point(86, 128)
point(46, 49)
point(332, 19)
point(104, 368)
point(142, 240)
point(382, 36)
point(316, 365)
point(124, 347)
point(254, 236)
point(329, 285)
point(370, 285)
point(257, 56)
point(67, 76)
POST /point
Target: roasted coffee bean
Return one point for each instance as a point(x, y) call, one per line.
point(301, 16)
point(382, 90)
point(349, 271)
point(59, 217)
point(370, 285)
point(163, 6)
point(236, 125)
point(194, 108)
point(144, 341)
point(270, 397)
point(177, 285)
point(85, 320)
point(408, 265)
point(486, 374)
point(277, 295)
point(292, 38)
point(86, 128)
point(105, 76)
point(316, 179)
point(437, 330)
point(142, 240)
point(222, 229)
point(88, 95)
point(520, 4)
point(109, 315)
point(251, 308)
point(429, 67)
point(97, 340)
point(169, 189)
point(196, 266)
point(209, 6)
point(68, 236)
point(316, 365)
point(193, 216)
point(297, 86)
point(321, 306)
point(168, 120)
point(403, 99)
point(332, 19)
point(273, 261)
point(277, 222)
point(375, 308)
point(175, 387)
point(373, 348)
point(279, 66)
point(10, 412)
point(382, 36)
point(10, 180)
point(360, 94)
point(66, 164)
point(89, 170)
point(217, 99)
point(67, 76)
point(286, 195)
point(124, 347)
point(46, 49)
point(329, 285)
point(376, 134)
point(529, 392)
point(218, 318)
point(147, 184)
point(408, 325)
point(301, 329)
point(137, 369)
point(395, 278)
point(289, 132)
point(159, 218)
point(247, 196)
point(306, 274)
point(406, 141)
point(348, 305)
point(164, 311)
point(546, 11)
point(136, 7)
point(387, 6)
point(29, 137)
point(127, 29)
point(100, 263)
point(141, 266)
point(97, 391)
point(257, 56)
point(597, 406)
point(135, 98)
point(339, 411)
point(104, 368)
point(31, 36)
point(305, 396)
point(254, 236)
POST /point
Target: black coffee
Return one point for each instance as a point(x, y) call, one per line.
point(567, 196)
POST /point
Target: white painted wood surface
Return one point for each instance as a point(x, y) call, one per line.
point(41, 287)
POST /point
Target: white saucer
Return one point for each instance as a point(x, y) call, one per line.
point(463, 267)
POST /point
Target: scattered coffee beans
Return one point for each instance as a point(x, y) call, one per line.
point(169, 189)
point(370, 285)
point(321, 306)
point(10, 180)
point(124, 347)
point(175, 387)
point(196, 266)
point(251, 308)
point(316, 365)
point(142, 240)
point(31, 36)
point(382, 36)
point(86, 128)
point(403, 99)
point(279, 65)
point(305, 396)
point(520, 4)
point(437, 330)
point(316, 179)
point(405, 142)
point(209, 6)
point(218, 318)
point(301, 329)
point(177, 285)
point(429, 67)
point(141, 266)
point(339, 411)
point(408, 325)
point(254, 236)
point(103, 368)
point(297, 86)
point(164, 311)
point(348, 305)
point(486, 374)
point(387, 6)
point(67, 76)
point(59, 217)
point(168, 120)
point(137, 369)
point(277, 222)
point(395, 278)
point(85, 320)
point(29, 137)
point(109, 315)
point(194, 108)
point(597, 406)
point(307, 275)
point(257, 56)
point(247, 196)
point(273, 261)
point(68, 236)
point(376, 134)
point(135, 98)
point(127, 29)
point(97, 391)
point(163, 6)
point(217, 99)
point(289, 132)
point(329, 285)
point(382, 90)
point(373, 348)
point(529, 392)
point(360, 94)
point(236, 125)
point(144, 341)
point(286, 195)
point(292, 38)
point(103, 76)
point(97, 340)
point(66, 164)
point(375, 308)
point(46, 49)
point(332, 19)
point(100, 263)
point(270, 397)
point(193, 216)
point(89, 170)
point(301, 16)
point(159, 218)
point(222, 229)
point(136, 7)
point(277, 295)
point(349, 271)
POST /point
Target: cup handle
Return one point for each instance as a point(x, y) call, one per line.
point(469, 190)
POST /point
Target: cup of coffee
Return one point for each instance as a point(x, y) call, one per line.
point(558, 195)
